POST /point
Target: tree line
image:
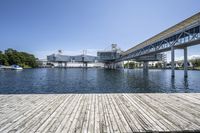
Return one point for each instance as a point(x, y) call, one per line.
point(23, 59)
point(195, 63)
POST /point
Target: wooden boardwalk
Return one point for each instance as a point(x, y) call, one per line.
point(94, 113)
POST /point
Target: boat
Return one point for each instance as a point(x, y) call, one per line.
point(16, 67)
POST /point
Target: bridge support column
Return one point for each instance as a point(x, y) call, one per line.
point(172, 61)
point(65, 64)
point(145, 65)
point(111, 65)
point(114, 65)
point(185, 62)
point(128, 64)
point(85, 64)
point(60, 64)
point(122, 65)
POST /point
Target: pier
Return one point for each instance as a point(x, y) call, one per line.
point(118, 112)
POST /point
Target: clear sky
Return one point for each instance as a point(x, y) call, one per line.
point(44, 26)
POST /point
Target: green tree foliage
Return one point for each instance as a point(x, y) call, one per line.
point(3, 59)
point(131, 65)
point(158, 65)
point(23, 59)
point(195, 62)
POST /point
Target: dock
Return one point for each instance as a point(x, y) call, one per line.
point(5, 67)
point(99, 113)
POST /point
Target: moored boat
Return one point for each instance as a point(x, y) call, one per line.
point(16, 67)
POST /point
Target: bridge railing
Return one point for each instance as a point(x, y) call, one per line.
point(179, 39)
point(190, 22)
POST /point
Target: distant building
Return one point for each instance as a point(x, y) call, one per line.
point(109, 55)
point(43, 63)
point(59, 60)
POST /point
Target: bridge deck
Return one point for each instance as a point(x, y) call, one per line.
point(99, 112)
point(170, 31)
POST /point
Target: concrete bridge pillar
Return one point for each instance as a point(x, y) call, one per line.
point(128, 64)
point(121, 65)
point(145, 65)
point(109, 66)
point(113, 65)
point(60, 64)
point(172, 61)
point(85, 64)
point(185, 62)
point(65, 64)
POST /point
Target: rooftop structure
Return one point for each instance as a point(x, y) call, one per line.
point(67, 58)
point(109, 55)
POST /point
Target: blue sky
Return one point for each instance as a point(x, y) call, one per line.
point(44, 26)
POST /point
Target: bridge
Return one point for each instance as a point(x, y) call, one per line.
point(179, 36)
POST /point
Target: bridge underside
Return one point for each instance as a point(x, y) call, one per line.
point(184, 39)
point(180, 46)
point(180, 36)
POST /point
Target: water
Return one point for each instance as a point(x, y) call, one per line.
point(96, 80)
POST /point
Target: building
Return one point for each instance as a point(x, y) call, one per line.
point(59, 60)
point(109, 55)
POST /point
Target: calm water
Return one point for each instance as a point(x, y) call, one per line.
point(96, 80)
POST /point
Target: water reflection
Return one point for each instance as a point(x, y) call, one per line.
point(186, 85)
point(173, 87)
point(96, 80)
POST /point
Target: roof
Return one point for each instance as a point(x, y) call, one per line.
point(187, 22)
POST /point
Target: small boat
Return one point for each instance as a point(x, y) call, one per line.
point(16, 67)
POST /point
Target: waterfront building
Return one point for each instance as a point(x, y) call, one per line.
point(59, 60)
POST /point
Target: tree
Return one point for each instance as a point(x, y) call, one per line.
point(23, 59)
point(10, 51)
point(130, 64)
point(195, 62)
point(3, 59)
point(158, 65)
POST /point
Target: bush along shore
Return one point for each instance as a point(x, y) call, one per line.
point(14, 57)
point(193, 64)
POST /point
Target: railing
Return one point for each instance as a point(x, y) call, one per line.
point(183, 34)
point(185, 37)
point(187, 23)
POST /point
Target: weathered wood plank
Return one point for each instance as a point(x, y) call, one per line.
point(67, 113)
point(165, 111)
point(121, 121)
point(99, 112)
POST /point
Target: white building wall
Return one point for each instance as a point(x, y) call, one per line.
point(78, 64)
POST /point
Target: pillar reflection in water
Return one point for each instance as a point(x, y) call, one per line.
point(186, 84)
point(173, 87)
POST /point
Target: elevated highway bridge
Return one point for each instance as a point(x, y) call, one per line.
point(179, 36)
